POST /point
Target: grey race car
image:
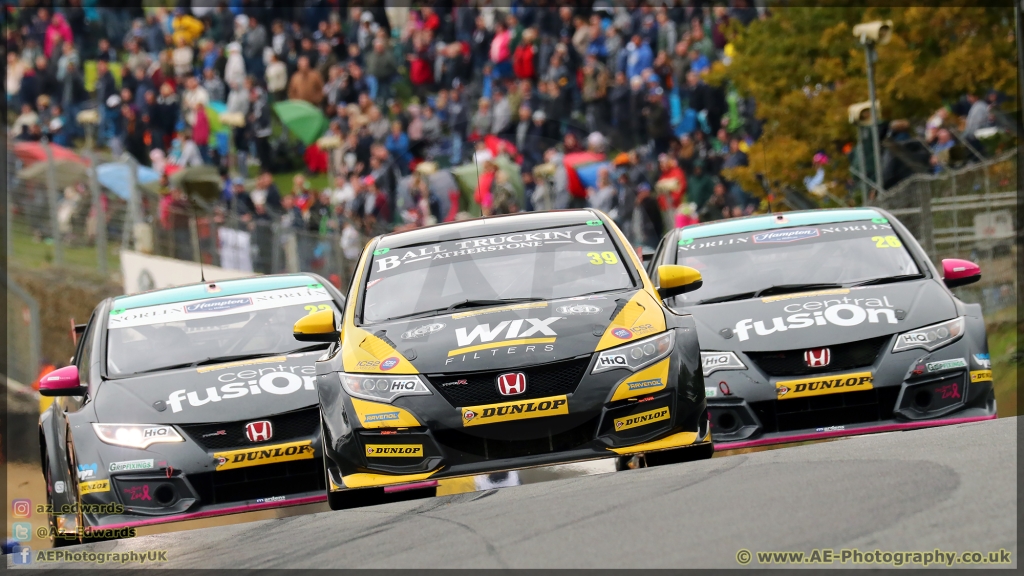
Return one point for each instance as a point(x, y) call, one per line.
point(827, 323)
point(185, 403)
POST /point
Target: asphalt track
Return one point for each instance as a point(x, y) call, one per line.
point(952, 488)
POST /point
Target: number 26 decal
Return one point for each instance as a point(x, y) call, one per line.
point(313, 308)
point(886, 242)
point(603, 258)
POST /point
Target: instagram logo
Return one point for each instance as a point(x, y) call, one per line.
point(21, 508)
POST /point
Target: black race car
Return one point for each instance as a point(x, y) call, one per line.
point(827, 323)
point(185, 403)
point(504, 343)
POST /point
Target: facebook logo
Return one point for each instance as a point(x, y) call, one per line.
point(21, 555)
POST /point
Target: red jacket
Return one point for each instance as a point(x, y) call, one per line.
point(523, 62)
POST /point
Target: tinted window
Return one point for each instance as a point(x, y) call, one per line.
point(542, 264)
point(830, 254)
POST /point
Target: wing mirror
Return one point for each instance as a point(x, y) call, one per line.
point(674, 280)
point(957, 272)
point(317, 327)
point(62, 382)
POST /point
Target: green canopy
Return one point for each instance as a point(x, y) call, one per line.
point(466, 178)
point(202, 181)
point(302, 119)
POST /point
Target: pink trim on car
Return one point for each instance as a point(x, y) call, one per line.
point(847, 432)
point(217, 512)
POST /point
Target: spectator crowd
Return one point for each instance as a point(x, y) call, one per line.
point(406, 92)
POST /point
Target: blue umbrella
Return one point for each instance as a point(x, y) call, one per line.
point(114, 177)
point(588, 173)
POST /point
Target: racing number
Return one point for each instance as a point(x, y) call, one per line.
point(603, 258)
point(886, 242)
point(313, 308)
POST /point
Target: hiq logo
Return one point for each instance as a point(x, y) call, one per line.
point(218, 305)
point(785, 235)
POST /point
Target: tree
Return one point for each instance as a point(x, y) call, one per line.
point(804, 68)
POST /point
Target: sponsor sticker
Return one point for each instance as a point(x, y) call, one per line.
point(86, 471)
point(381, 417)
point(843, 312)
point(947, 364)
point(983, 361)
point(218, 304)
point(389, 363)
point(578, 310)
point(612, 361)
point(642, 329)
point(93, 486)
point(780, 236)
point(505, 333)
point(422, 331)
point(131, 465)
point(58, 486)
point(710, 391)
point(394, 450)
point(271, 499)
point(980, 375)
point(830, 429)
point(240, 384)
point(622, 333)
point(515, 410)
point(245, 457)
point(642, 419)
point(640, 385)
point(823, 385)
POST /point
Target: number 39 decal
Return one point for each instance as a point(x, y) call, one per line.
point(886, 242)
point(603, 258)
point(313, 308)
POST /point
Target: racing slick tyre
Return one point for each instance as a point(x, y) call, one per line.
point(679, 455)
point(51, 518)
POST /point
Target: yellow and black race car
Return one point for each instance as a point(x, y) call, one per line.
point(503, 343)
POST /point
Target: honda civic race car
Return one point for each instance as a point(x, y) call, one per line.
point(184, 403)
point(503, 343)
point(828, 323)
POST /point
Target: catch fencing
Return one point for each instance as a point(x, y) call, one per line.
point(968, 213)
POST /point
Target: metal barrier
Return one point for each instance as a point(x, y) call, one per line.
point(967, 213)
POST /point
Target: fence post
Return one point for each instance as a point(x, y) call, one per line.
point(101, 215)
point(925, 200)
point(51, 199)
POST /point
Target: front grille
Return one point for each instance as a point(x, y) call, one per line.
point(844, 357)
point(288, 426)
point(474, 448)
point(542, 380)
point(254, 482)
point(814, 412)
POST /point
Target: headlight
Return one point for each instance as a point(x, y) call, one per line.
point(931, 337)
point(635, 355)
point(136, 435)
point(714, 361)
point(383, 388)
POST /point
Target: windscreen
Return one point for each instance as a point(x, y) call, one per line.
point(173, 335)
point(830, 254)
point(533, 264)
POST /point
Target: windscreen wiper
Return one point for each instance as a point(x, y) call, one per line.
point(468, 303)
point(309, 348)
point(194, 363)
point(779, 289)
point(889, 279)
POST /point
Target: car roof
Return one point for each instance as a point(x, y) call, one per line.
point(201, 290)
point(504, 224)
point(772, 221)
